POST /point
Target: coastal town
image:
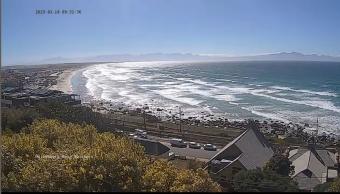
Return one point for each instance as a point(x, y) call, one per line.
point(220, 146)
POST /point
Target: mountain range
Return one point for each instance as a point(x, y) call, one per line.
point(282, 56)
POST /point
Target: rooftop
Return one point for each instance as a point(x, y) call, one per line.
point(251, 149)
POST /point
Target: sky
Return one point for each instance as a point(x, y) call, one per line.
point(229, 27)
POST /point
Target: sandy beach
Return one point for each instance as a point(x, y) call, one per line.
point(64, 81)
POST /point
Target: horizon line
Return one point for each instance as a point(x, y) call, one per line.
point(211, 55)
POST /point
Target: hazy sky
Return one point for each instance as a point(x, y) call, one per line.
point(231, 27)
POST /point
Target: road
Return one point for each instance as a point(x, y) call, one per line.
point(188, 152)
point(192, 153)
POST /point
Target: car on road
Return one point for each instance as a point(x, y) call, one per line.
point(177, 143)
point(143, 135)
point(119, 131)
point(194, 145)
point(139, 131)
point(171, 156)
point(209, 147)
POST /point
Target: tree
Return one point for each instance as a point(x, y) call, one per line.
point(324, 187)
point(16, 119)
point(195, 164)
point(280, 164)
point(335, 186)
point(57, 156)
point(79, 115)
point(159, 176)
point(258, 180)
point(194, 181)
point(162, 176)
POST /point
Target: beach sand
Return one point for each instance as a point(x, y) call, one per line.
point(64, 81)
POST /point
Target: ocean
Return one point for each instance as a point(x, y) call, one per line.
point(298, 92)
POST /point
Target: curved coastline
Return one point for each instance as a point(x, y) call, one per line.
point(64, 80)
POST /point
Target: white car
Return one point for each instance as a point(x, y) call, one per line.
point(143, 135)
point(177, 143)
point(194, 145)
point(139, 131)
point(209, 147)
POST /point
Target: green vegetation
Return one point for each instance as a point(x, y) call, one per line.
point(280, 164)
point(161, 176)
point(334, 186)
point(259, 180)
point(14, 119)
point(274, 177)
point(50, 155)
point(322, 187)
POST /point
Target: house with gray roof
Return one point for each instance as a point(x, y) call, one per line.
point(312, 166)
point(248, 151)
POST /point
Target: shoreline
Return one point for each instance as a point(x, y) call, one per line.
point(211, 125)
point(64, 80)
point(64, 83)
point(293, 133)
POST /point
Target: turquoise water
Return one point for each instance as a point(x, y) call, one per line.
point(287, 91)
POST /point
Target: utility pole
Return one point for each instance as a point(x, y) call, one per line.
point(338, 164)
point(144, 118)
point(180, 120)
point(123, 119)
point(317, 130)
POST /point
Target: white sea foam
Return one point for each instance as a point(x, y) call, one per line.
point(313, 103)
point(144, 82)
point(323, 104)
point(175, 94)
point(224, 80)
point(266, 115)
point(90, 84)
point(226, 97)
point(212, 92)
point(304, 91)
point(234, 103)
point(197, 81)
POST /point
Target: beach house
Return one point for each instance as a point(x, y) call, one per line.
point(248, 151)
point(313, 166)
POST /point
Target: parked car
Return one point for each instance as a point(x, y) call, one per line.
point(209, 147)
point(177, 142)
point(194, 145)
point(171, 156)
point(143, 135)
point(140, 131)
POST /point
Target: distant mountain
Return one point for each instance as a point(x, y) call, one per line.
point(286, 56)
point(282, 56)
point(148, 57)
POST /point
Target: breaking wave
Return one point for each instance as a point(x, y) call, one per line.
point(166, 84)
